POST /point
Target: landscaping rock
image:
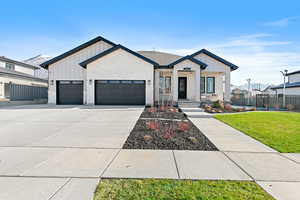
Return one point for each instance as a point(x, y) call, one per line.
point(159, 133)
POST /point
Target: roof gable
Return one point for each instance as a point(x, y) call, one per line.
point(208, 53)
point(198, 62)
point(292, 73)
point(100, 55)
point(76, 49)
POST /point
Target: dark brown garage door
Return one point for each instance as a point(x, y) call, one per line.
point(119, 92)
point(69, 92)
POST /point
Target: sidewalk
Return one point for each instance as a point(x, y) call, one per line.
point(73, 172)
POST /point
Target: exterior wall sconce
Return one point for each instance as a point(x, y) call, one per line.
point(52, 82)
point(90, 81)
point(148, 82)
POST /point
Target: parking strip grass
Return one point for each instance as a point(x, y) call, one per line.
point(279, 130)
point(163, 189)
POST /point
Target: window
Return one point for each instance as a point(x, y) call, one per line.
point(210, 84)
point(202, 85)
point(165, 84)
point(10, 66)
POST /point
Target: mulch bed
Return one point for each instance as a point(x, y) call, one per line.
point(167, 129)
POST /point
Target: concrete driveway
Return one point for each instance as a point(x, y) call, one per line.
point(44, 148)
point(67, 126)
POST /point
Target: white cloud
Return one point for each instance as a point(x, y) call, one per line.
point(281, 22)
point(254, 55)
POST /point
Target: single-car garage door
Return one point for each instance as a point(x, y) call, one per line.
point(69, 92)
point(119, 92)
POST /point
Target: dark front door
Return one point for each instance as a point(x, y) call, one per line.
point(120, 92)
point(182, 87)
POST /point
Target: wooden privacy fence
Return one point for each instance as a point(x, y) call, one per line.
point(15, 92)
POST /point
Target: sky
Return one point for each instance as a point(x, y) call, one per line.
point(261, 37)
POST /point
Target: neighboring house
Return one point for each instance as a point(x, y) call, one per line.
point(268, 90)
point(101, 72)
point(292, 86)
point(36, 61)
point(18, 73)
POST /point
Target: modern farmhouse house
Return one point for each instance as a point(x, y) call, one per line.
point(103, 73)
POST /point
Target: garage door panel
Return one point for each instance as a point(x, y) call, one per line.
point(70, 92)
point(113, 92)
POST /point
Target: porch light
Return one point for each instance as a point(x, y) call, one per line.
point(90, 81)
point(52, 82)
point(149, 82)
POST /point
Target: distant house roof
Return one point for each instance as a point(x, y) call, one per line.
point(210, 54)
point(161, 58)
point(86, 62)
point(287, 85)
point(76, 49)
point(295, 72)
point(5, 59)
point(7, 72)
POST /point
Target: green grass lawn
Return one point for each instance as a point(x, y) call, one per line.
point(279, 130)
point(158, 189)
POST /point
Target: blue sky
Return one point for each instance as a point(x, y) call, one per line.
point(262, 37)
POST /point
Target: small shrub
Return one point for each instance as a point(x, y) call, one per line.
point(154, 125)
point(290, 107)
point(228, 107)
point(184, 126)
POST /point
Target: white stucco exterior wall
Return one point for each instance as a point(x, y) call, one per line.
point(294, 78)
point(24, 70)
point(69, 68)
point(214, 66)
point(290, 91)
point(120, 65)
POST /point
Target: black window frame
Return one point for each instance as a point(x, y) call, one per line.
point(202, 85)
point(214, 85)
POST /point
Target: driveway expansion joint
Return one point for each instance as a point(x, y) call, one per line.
point(176, 164)
point(238, 166)
point(60, 188)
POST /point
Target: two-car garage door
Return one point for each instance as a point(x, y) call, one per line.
point(120, 92)
point(107, 92)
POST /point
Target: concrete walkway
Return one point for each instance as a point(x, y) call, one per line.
point(277, 173)
point(47, 166)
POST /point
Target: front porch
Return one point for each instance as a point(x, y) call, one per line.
point(189, 86)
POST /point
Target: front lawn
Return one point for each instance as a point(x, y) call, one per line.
point(155, 189)
point(279, 130)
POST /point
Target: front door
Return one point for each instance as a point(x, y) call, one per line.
point(182, 87)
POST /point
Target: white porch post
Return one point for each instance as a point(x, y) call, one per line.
point(227, 86)
point(197, 80)
point(175, 85)
point(156, 85)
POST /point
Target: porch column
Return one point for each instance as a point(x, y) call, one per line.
point(227, 86)
point(156, 85)
point(197, 81)
point(175, 85)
